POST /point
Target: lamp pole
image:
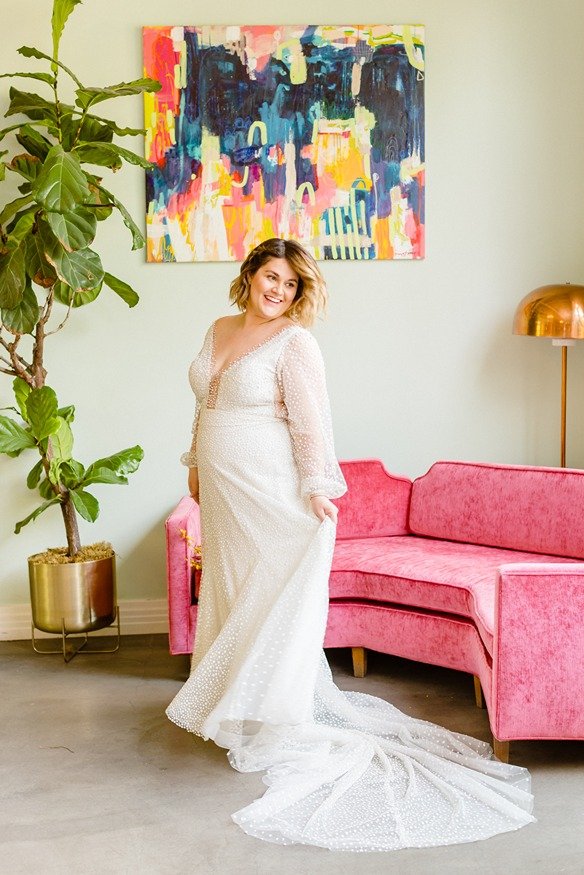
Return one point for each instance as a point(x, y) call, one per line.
point(564, 391)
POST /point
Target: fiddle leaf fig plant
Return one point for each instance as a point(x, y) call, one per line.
point(47, 264)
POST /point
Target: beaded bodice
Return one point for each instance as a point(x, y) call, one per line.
point(282, 377)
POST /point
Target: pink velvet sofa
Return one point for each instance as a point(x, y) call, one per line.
point(473, 567)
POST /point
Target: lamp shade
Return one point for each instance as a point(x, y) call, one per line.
point(552, 311)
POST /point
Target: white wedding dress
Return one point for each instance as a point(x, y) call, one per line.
point(345, 771)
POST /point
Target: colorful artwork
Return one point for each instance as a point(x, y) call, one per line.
point(314, 133)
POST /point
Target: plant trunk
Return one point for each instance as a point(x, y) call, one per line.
point(71, 527)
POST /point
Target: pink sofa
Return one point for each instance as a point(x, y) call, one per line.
point(472, 567)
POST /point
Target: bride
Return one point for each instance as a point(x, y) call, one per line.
point(345, 771)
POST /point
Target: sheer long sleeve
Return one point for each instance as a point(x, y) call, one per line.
point(302, 383)
point(190, 458)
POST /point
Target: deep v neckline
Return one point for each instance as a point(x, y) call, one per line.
point(215, 375)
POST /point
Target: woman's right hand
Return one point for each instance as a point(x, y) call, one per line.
point(323, 507)
point(194, 483)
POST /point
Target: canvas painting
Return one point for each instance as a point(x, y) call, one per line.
point(314, 133)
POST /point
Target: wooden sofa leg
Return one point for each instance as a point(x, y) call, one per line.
point(501, 750)
point(359, 661)
point(479, 699)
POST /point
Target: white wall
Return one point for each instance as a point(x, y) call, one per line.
point(421, 361)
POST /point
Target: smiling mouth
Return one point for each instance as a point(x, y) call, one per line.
point(273, 300)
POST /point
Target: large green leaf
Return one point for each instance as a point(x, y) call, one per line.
point(61, 185)
point(41, 407)
point(75, 229)
point(90, 96)
point(13, 262)
point(102, 154)
point(31, 52)
point(137, 236)
point(115, 128)
point(133, 158)
point(27, 166)
point(62, 441)
point(62, 9)
point(38, 268)
point(109, 155)
point(12, 277)
point(85, 503)
point(122, 463)
point(94, 130)
point(32, 105)
point(13, 207)
point(33, 141)
point(21, 229)
point(13, 437)
point(9, 129)
point(22, 318)
point(41, 77)
point(122, 289)
point(54, 473)
point(65, 295)
point(103, 475)
point(72, 473)
point(32, 516)
point(86, 130)
point(34, 475)
point(46, 489)
point(21, 391)
point(80, 269)
point(98, 203)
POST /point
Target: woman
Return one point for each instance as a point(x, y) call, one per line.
point(344, 770)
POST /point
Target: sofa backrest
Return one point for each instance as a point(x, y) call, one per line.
point(516, 507)
point(376, 503)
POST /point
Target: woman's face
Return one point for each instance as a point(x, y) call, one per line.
point(272, 289)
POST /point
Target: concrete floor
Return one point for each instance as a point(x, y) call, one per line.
point(96, 779)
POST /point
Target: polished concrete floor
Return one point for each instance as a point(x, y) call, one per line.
point(96, 779)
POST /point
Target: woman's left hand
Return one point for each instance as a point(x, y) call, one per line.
point(323, 507)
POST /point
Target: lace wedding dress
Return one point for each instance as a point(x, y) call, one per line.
point(345, 771)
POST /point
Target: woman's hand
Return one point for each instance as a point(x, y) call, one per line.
point(194, 483)
point(323, 507)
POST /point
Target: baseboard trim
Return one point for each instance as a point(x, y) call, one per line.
point(137, 617)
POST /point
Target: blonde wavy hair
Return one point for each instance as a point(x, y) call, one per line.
point(311, 295)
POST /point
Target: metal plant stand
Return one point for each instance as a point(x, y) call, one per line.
point(70, 652)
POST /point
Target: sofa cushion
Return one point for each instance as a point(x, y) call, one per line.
point(425, 573)
point(510, 506)
point(376, 502)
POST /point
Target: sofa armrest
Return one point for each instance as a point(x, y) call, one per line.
point(184, 518)
point(538, 653)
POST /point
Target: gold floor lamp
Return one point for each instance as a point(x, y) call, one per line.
point(556, 312)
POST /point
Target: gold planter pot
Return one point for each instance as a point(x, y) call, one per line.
point(78, 597)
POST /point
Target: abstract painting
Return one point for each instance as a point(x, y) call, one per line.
point(314, 133)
